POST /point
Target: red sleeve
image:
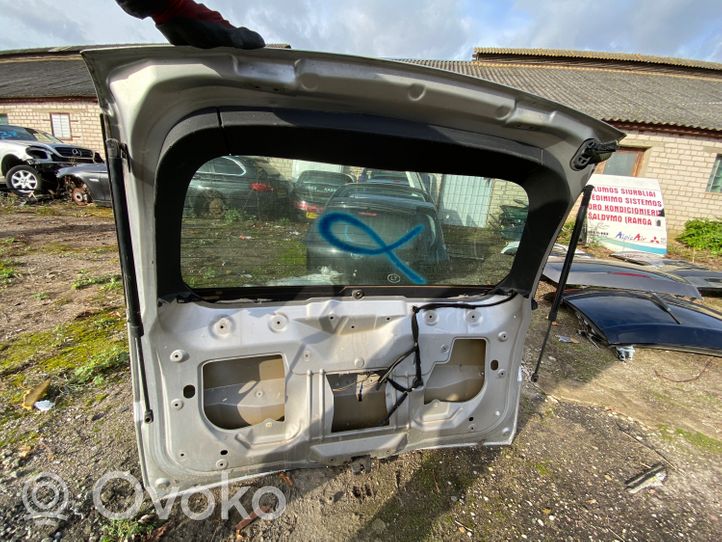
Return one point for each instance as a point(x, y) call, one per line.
point(188, 9)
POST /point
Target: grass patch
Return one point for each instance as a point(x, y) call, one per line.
point(59, 248)
point(72, 353)
point(101, 364)
point(694, 438)
point(125, 529)
point(47, 210)
point(700, 440)
point(114, 285)
point(7, 272)
point(83, 280)
point(542, 469)
point(8, 247)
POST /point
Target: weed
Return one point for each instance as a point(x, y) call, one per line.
point(233, 215)
point(83, 280)
point(7, 272)
point(9, 202)
point(46, 210)
point(5, 243)
point(115, 284)
point(565, 235)
point(703, 234)
point(125, 529)
point(40, 296)
point(100, 364)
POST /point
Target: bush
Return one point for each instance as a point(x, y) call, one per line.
point(703, 234)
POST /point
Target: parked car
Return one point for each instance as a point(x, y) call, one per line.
point(242, 183)
point(235, 375)
point(313, 189)
point(390, 210)
point(30, 159)
point(405, 178)
point(87, 183)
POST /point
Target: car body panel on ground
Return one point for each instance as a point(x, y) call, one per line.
point(607, 274)
point(647, 319)
point(252, 379)
point(707, 281)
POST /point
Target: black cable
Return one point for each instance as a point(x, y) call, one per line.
point(418, 380)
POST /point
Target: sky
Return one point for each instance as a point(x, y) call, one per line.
point(431, 29)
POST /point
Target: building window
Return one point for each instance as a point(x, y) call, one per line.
point(60, 123)
point(4, 118)
point(715, 180)
point(627, 161)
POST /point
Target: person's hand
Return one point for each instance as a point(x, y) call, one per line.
point(207, 34)
point(183, 22)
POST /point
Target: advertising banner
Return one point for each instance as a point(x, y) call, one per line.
point(627, 213)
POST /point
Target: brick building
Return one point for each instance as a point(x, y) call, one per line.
point(670, 108)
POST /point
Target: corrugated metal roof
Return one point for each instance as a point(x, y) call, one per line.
point(32, 78)
point(481, 53)
point(650, 97)
point(667, 97)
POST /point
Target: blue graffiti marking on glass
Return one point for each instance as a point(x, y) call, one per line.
point(327, 221)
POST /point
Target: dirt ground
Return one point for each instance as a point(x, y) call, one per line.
point(590, 424)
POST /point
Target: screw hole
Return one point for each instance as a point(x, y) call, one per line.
point(388, 318)
point(494, 365)
point(189, 391)
point(224, 452)
point(330, 317)
point(471, 419)
point(182, 454)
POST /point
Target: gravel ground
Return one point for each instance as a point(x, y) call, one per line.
point(588, 426)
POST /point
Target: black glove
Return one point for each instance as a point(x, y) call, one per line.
point(185, 22)
point(142, 8)
point(206, 34)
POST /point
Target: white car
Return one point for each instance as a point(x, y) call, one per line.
point(29, 159)
point(235, 374)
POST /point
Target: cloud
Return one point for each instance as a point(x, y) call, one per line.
point(46, 23)
point(403, 28)
point(686, 28)
point(400, 28)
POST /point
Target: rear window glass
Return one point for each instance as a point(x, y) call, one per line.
point(253, 221)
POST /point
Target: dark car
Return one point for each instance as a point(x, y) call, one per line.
point(87, 183)
point(29, 159)
point(242, 183)
point(312, 191)
point(391, 212)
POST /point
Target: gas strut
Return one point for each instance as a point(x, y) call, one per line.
point(576, 233)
